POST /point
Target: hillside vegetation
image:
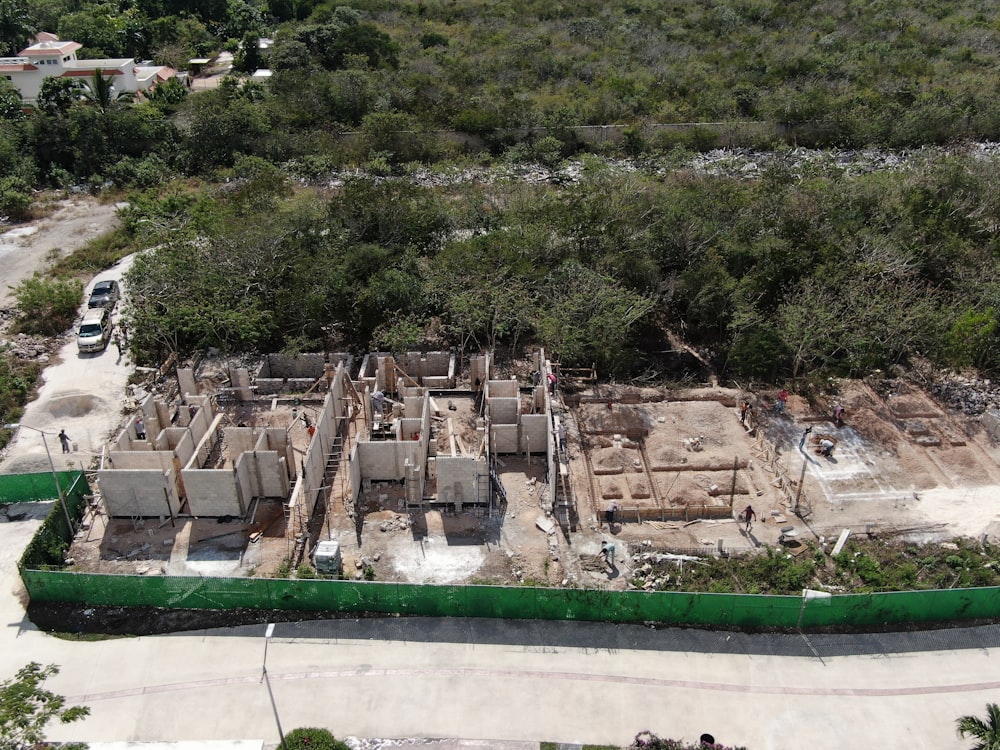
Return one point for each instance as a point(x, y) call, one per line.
point(781, 273)
point(773, 277)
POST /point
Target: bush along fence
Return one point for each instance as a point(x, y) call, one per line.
point(746, 611)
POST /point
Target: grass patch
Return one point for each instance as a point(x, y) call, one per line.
point(98, 254)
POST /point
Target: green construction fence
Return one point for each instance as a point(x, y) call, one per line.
point(25, 488)
point(46, 583)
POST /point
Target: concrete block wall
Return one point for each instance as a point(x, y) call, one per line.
point(273, 471)
point(186, 383)
point(354, 476)
point(504, 438)
point(240, 440)
point(151, 417)
point(503, 410)
point(458, 480)
point(200, 421)
point(280, 366)
point(213, 492)
point(502, 388)
point(263, 474)
point(535, 433)
point(163, 418)
point(178, 441)
point(313, 466)
point(243, 477)
point(203, 447)
point(413, 406)
point(138, 492)
point(240, 380)
point(274, 386)
point(276, 439)
point(159, 460)
point(479, 371)
point(384, 461)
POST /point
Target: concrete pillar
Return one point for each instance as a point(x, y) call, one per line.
point(241, 380)
point(186, 382)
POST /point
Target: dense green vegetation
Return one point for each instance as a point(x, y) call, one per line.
point(786, 275)
point(863, 566)
point(840, 72)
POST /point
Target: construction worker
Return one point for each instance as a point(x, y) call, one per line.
point(608, 553)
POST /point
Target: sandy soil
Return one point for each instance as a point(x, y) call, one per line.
point(27, 248)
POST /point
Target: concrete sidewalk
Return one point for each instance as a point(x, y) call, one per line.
point(498, 682)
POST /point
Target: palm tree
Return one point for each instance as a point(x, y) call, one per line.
point(100, 92)
point(987, 733)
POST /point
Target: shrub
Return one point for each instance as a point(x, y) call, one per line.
point(311, 738)
point(47, 306)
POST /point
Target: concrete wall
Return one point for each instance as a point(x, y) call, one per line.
point(428, 369)
point(135, 492)
point(186, 383)
point(503, 410)
point(160, 460)
point(504, 438)
point(263, 474)
point(384, 461)
point(313, 466)
point(179, 441)
point(200, 421)
point(502, 388)
point(458, 480)
point(239, 440)
point(212, 492)
point(203, 447)
point(535, 433)
point(292, 366)
point(479, 371)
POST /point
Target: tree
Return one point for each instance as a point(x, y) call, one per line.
point(26, 707)
point(16, 27)
point(11, 107)
point(986, 733)
point(100, 91)
point(57, 95)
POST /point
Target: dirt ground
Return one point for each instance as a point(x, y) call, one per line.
point(680, 466)
point(72, 223)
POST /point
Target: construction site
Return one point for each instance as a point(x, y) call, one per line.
point(423, 468)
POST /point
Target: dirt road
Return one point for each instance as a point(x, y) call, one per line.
point(27, 248)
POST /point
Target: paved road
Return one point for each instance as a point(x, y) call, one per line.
point(520, 682)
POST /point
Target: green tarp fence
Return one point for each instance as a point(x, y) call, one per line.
point(25, 488)
point(45, 583)
point(676, 608)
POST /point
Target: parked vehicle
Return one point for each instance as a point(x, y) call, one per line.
point(105, 294)
point(95, 330)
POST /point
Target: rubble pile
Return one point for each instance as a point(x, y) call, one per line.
point(732, 162)
point(650, 569)
point(27, 347)
point(971, 396)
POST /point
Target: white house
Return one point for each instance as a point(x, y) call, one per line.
point(49, 57)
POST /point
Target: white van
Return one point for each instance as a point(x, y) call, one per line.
point(95, 330)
